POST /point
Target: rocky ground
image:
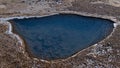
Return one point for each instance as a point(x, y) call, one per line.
point(105, 54)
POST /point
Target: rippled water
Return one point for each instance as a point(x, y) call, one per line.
point(62, 35)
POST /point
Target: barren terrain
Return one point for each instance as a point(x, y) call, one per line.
point(105, 54)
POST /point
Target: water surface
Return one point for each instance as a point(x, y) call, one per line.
point(61, 36)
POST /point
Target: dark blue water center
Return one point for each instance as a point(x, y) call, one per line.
point(61, 35)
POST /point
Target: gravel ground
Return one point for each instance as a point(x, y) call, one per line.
point(105, 54)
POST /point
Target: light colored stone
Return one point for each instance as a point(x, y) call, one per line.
point(2, 7)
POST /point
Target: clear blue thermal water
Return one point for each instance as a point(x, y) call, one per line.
point(62, 35)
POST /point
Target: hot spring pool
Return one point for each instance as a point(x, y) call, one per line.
point(62, 35)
